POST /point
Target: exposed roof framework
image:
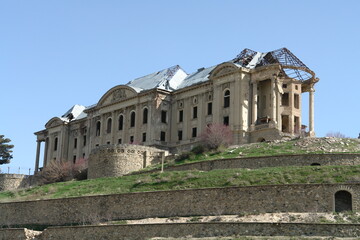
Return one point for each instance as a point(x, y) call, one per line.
point(292, 66)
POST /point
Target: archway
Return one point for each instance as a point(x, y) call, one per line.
point(343, 201)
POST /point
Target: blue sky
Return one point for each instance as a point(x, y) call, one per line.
point(54, 54)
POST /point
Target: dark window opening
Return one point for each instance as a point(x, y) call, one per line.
point(227, 99)
point(194, 112)
point(74, 159)
point(285, 99)
point(145, 116)
point(194, 132)
point(343, 201)
point(98, 128)
point(163, 116)
point(285, 123)
point(108, 143)
point(108, 127)
point(284, 86)
point(296, 101)
point(119, 141)
point(209, 108)
point(121, 122)
point(181, 116)
point(96, 145)
point(144, 137)
point(162, 136)
point(226, 121)
point(131, 139)
point(84, 140)
point(75, 143)
point(180, 135)
point(55, 144)
point(83, 155)
point(132, 119)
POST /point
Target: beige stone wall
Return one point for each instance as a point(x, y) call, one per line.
point(118, 160)
point(196, 202)
point(14, 181)
point(272, 161)
point(200, 230)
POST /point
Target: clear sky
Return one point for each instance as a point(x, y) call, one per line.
point(54, 54)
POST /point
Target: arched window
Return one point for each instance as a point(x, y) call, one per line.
point(343, 201)
point(108, 127)
point(226, 98)
point(145, 116)
point(121, 122)
point(132, 119)
point(98, 128)
point(55, 144)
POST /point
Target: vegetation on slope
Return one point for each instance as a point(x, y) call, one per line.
point(188, 180)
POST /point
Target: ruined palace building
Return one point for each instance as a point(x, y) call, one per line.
point(258, 95)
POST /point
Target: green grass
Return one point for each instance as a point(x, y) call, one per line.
point(176, 180)
point(317, 146)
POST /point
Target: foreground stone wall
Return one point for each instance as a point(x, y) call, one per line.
point(327, 159)
point(178, 230)
point(200, 230)
point(214, 201)
point(118, 160)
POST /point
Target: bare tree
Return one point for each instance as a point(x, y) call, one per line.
point(216, 135)
point(336, 135)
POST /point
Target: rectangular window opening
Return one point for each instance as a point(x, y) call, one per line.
point(285, 99)
point(296, 101)
point(163, 116)
point(180, 135)
point(194, 112)
point(144, 137)
point(181, 116)
point(194, 132)
point(209, 108)
point(162, 136)
point(226, 120)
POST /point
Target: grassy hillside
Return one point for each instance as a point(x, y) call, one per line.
point(216, 178)
point(188, 180)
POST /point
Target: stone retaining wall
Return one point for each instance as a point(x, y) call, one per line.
point(195, 202)
point(14, 181)
point(200, 230)
point(196, 230)
point(118, 160)
point(272, 161)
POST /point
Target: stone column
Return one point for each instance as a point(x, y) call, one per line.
point(254, 105)
point(311, 112)
point(37, 156)
point(273, 115)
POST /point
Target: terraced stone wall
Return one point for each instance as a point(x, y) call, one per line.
point(272, 161)
point(195, 202)
point(200, 230)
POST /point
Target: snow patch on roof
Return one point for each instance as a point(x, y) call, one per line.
point(74, 113)
point(167, 79)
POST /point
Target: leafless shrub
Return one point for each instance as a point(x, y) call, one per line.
point(336, 135)
point(64, 171)
point(216, 135)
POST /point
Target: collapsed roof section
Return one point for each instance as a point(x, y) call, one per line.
point(167, 79)
point(292, 66)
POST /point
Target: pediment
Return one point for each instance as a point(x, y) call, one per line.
point(223, 69)
point(116, 94)
point(53, 122)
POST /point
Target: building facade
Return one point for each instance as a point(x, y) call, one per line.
point(258, 95)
